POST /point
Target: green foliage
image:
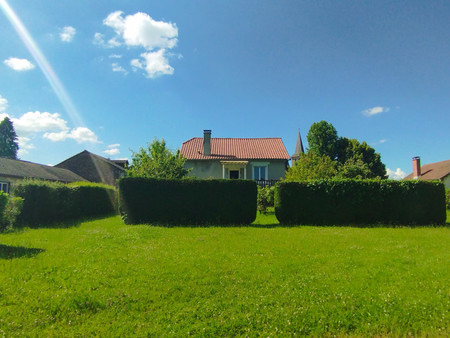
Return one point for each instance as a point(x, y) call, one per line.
point(311, 166)
point(265, 198)
point(103, 278)
point(157, 162)
point(3, 202)
point(12, 211)
point(187, 202)
point(347, 202)
point(49, 202)
point(447, 198)
point(8, 139)
point(352, 159)
point(322, 139)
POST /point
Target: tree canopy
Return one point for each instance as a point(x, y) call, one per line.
point(8, 139)
point(350, 158)
point(156, 161)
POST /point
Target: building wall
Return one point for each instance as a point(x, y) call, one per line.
point(447, 182)
point(213, 169)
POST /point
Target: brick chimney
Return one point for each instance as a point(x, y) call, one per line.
point(207, 142)
point(416, 167)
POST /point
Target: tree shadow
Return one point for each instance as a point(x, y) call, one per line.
point(10, 252)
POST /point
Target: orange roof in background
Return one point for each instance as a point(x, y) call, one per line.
point(433, 171)
point(236, 149)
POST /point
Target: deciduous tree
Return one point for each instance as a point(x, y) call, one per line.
point(157, 162)
point(310, 167)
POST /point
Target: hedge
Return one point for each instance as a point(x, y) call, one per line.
point(49, 202)
point(187, 201)
point(3, 202)
point(338, 202)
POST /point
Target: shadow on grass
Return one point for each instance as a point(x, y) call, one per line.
point(10, 252)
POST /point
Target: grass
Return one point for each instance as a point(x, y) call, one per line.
point(104, 278)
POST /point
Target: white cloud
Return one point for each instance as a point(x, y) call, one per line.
point(116, 145)
point(115, 56)
point(80, 135)
point(396, 175)
point(112, 152)
point(67, 34)
point(118, 68)
point(18, 64)
point(141, 30)
point(383, 141)
point(154, 63)
point(375, 110)
point(24, 145)
point(3, 104)
point(33, 122)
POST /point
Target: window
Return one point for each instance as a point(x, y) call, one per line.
point(4, 187)
point(234, 174)
point(259, 173)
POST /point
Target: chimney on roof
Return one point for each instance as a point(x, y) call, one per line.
point(416, 167)
point(207, 142)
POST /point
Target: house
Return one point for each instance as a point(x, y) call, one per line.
point(433, 171)
point(13, 171)
point(236, 158)
point(94, 168)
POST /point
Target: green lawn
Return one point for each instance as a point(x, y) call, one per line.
point(109, 279)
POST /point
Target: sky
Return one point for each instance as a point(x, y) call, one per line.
point(111, 76)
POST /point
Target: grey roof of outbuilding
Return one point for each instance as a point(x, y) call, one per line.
point(24, 169)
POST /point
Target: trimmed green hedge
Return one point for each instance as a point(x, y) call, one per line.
point(338, 202)
point(3, 202)
point(49, 202)
point(186, 201)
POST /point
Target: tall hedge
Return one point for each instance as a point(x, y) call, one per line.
point(3, 202)
point(187, 201)
point(46, 202)
point(338, 202)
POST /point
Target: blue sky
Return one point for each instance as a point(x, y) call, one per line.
point(110, 76)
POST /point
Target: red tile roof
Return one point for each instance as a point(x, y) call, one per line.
point(433, 171)
point(236, 149)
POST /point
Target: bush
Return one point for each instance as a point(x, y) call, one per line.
point(49, 202)
point(265, 198)
point(187, 202)
point(447, 198)
point(3, 202)
point(336, 202)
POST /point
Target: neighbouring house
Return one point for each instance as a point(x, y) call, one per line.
point(94, 168)
point(432, 171)
point(262, 159)
point(13, 171)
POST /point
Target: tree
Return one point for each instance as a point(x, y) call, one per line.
point(351, 154)
point(311, 166)
point(157, 162)
point(8, 139)
point(322, 139)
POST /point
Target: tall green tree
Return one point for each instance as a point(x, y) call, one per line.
point(8, 139)
point(322, 139)
point(157, 161)
point(310, 167)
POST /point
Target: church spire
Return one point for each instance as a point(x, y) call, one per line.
point(298, 148)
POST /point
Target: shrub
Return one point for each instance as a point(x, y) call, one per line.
point(3, 202)
point(48, 202)
point(265, 198)
point(187, 202)
point(334, 202)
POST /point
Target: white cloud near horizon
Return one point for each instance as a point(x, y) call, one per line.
point(67, 34)
point(116, 145)
point(396, 175)
point(35, 122)
point(141, 30)
point(19, 65)
point(112, 151)
point(79, 134)
point(375, 111)
point(3, 104)
point(24, 145)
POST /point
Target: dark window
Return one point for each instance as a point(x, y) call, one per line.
point(234, 174)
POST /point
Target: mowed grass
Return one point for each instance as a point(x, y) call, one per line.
point(108, 279)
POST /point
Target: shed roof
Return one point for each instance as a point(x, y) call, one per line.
point(236, 149)
point(24, 169)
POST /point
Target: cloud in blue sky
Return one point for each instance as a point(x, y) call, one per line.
point(19, 65)
point(67, 34)
point(3, 104)
point(396, 175)
point(375, 111)
point(141, 30)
